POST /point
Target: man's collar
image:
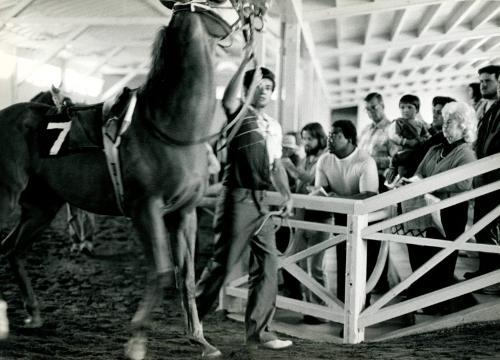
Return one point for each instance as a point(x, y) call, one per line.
point(381, 124)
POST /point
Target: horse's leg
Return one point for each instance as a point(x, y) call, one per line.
point(184, 242)
point(4, 320)
point(81, 229)
point(148, 221)
point(34, 219)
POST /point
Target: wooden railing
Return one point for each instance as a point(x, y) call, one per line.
point(371, 219)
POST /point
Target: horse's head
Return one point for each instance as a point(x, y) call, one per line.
point(221, 19)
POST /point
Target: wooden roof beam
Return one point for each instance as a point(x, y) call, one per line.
point(369, 30)
point(53, 52)
point(401, 44)
point(366, 8)
point(397, 24)
point(478, 54)
point(16, 10)
point(490, 9)
point(124, 81)
point(458, 15)
point(428, 53)
point(92, 21)
point(111, 54)
point(427, 19)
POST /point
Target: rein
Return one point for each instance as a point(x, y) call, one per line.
point(247, 18)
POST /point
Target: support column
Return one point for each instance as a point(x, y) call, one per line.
point(307, 94)
point(355, 279)
point(7, 76)
point(290, 81)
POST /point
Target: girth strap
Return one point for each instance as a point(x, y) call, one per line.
point(112, 154)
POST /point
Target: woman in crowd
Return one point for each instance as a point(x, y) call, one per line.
point(459, 129)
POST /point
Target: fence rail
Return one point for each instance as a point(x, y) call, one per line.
point(369, 220)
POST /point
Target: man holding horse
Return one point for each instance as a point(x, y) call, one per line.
point(253, 166)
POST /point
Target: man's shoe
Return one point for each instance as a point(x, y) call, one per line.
point(313, 320)
point(277, 344)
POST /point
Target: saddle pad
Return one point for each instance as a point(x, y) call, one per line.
point(75, 129)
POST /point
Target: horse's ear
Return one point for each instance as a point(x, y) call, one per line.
point(54, 89)
point(168, 3)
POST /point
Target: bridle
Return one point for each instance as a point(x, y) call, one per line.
point(246, 23)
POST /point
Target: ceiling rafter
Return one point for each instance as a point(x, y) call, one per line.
point(397, 25)
point(459, 15)
point(476, 45)
point(491, 9)
point(103, 61)
point(401, 44)
point(53, 52)
point(430, 51)
point(401, 80)
point(16, 10)
point(338, 33)
point(91, 20)
point(407, 54)
point(125, 80)
point(366, 8)
point(427, 19)
point(452, 48)
point(478, 54)
point(368, 30)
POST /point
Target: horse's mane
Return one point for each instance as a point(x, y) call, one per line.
point(159, 60)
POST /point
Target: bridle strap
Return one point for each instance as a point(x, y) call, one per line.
point(202, 8)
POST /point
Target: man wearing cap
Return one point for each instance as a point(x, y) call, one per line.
point(253, 166)
point(290, 155)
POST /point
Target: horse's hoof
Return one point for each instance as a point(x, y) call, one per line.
point(33, 322)
point(4, 320)
point(135, 349)
point(211, 353)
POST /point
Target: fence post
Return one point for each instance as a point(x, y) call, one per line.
point(355, 279)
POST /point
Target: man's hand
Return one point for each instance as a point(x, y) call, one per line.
point(287, 208)
point(411, 142)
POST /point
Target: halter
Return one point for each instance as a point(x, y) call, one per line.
point(207, 10)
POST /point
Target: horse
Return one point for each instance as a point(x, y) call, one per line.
point(81, 224)
point(163, 163)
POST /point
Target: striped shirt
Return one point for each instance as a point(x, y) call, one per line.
point(252, 151)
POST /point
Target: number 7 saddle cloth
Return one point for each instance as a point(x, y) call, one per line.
point(77, 129)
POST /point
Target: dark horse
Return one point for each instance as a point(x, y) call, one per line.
point(81, 224)
point(163, 163)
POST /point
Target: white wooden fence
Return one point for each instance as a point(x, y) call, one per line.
point(370, 220)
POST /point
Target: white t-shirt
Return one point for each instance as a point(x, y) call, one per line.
point(351, 175)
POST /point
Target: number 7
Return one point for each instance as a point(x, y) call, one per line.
point(64, 126)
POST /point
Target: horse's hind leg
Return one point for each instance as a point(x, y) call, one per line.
point(4, 320)
point(184, 244)
point(33, 220)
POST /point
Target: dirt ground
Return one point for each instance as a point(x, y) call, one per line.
point(87, 305)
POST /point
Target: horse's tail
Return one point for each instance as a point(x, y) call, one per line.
point(17, 144)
